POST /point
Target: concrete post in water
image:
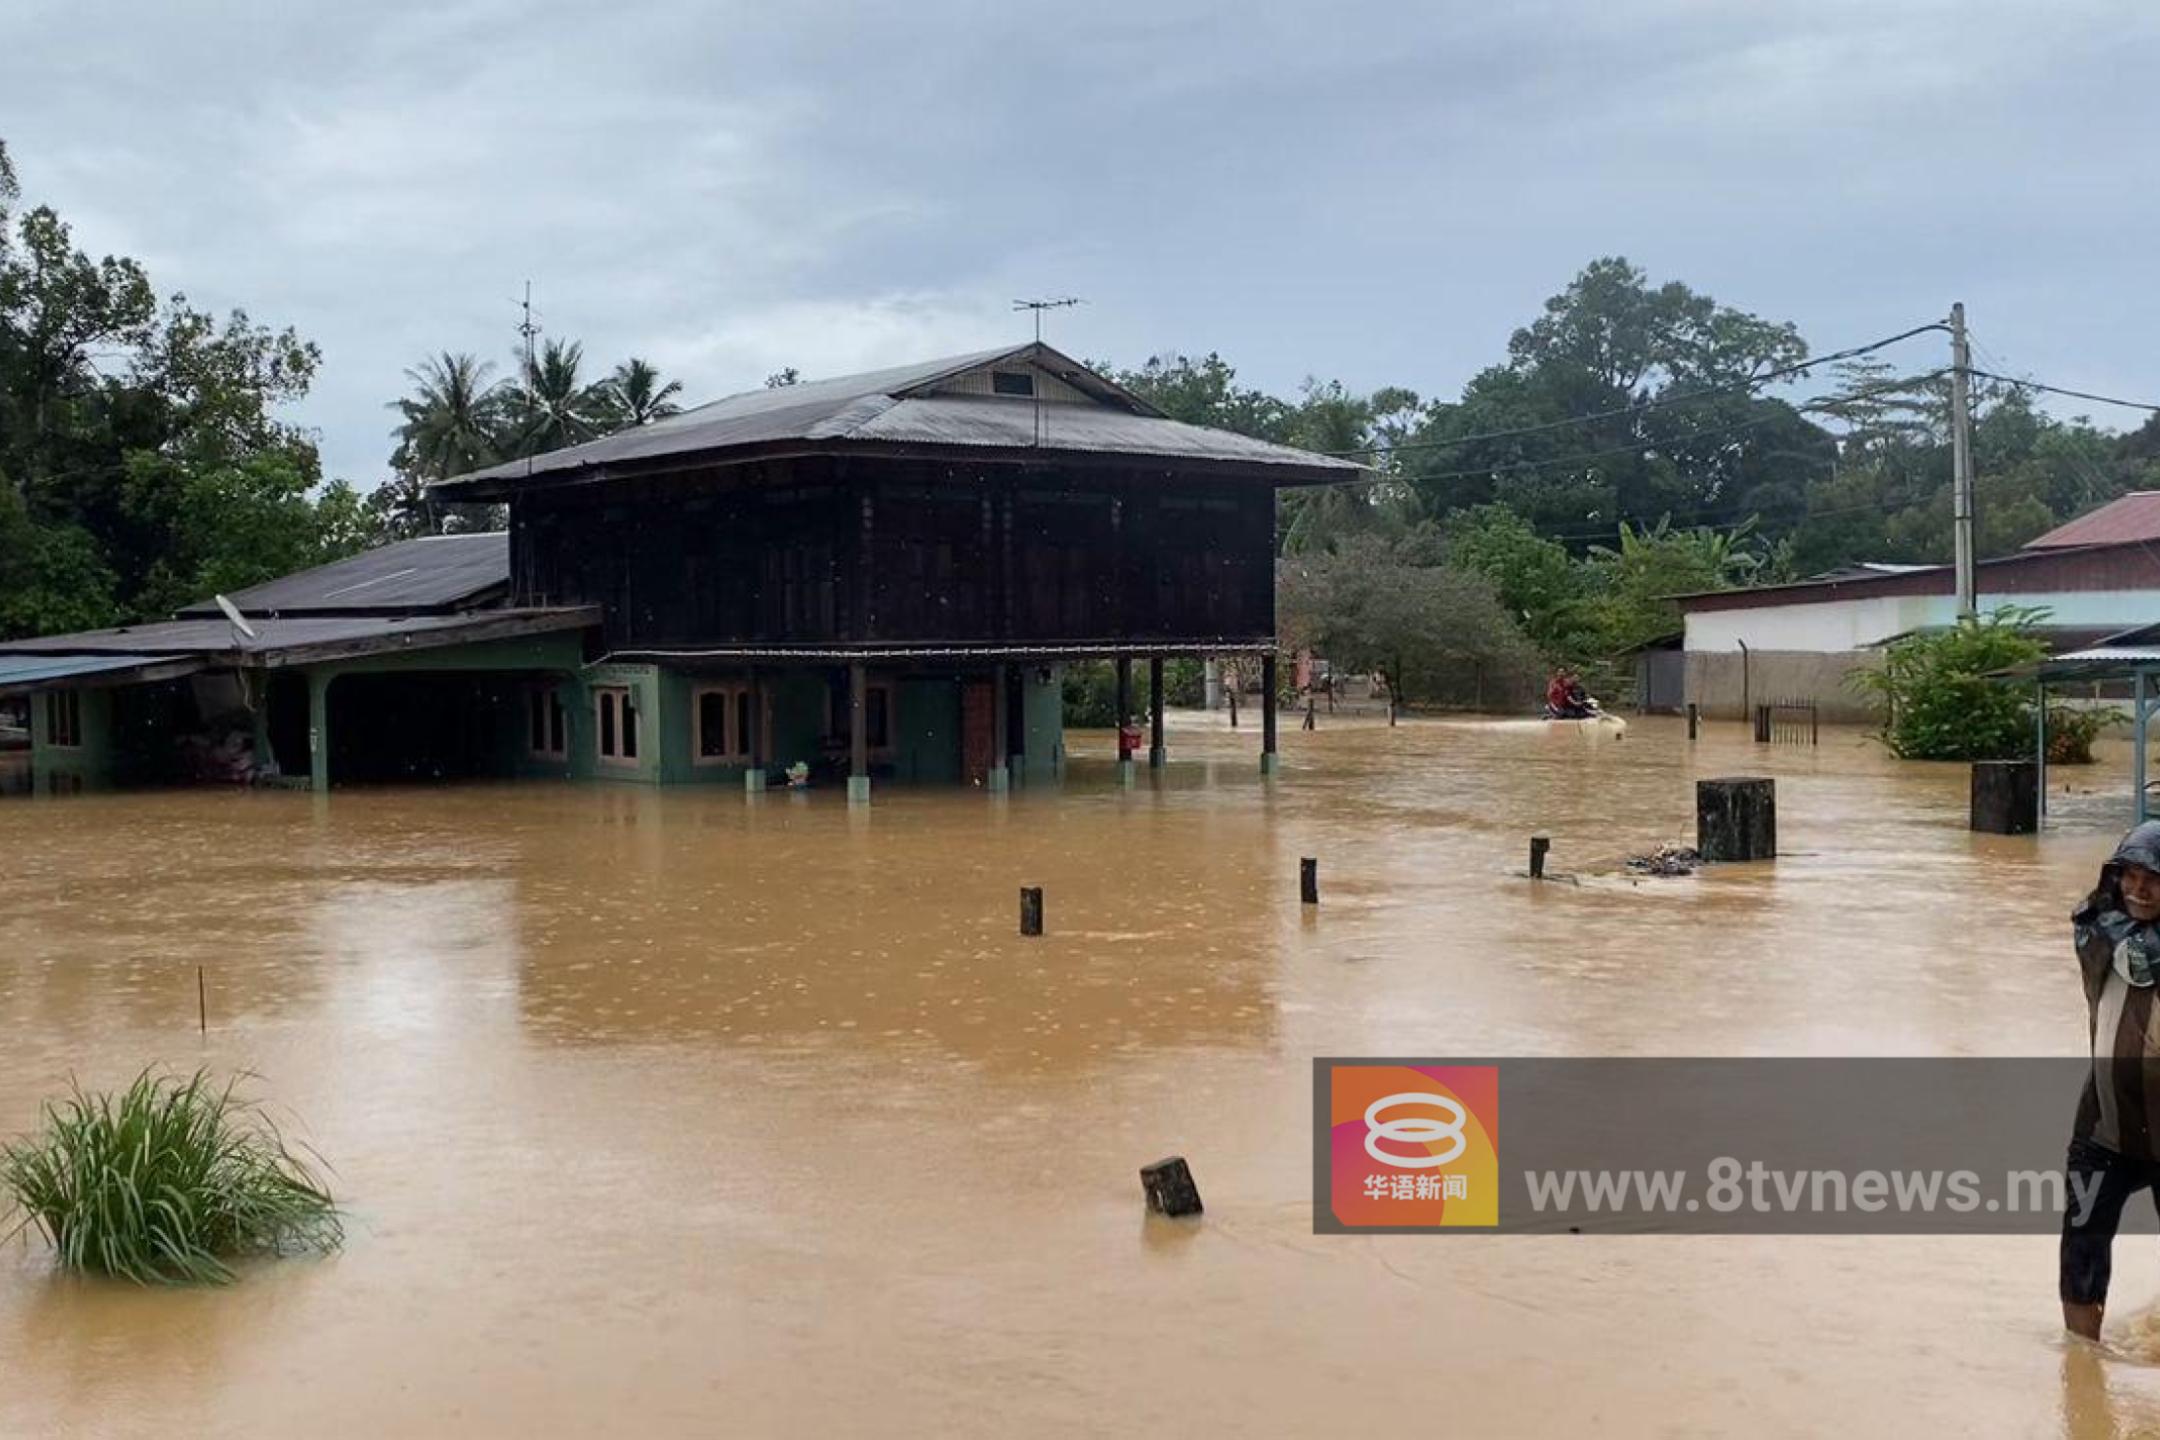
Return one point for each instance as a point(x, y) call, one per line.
point(1170, 1188)
point(1031, 910)
point(1308, 878)
point(1694, 719)
point(1270, 762)
point(1736, 818)
point(1157, 755)
point(1000, 774)
point(2005, 797)
point(1539, 844)
point(858, 783)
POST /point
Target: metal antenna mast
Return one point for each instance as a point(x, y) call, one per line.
point(529, 328)
point(1038, 306)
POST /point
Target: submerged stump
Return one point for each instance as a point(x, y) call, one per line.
point(1170, 1188)
point(1736, 818)
point(2006, 796)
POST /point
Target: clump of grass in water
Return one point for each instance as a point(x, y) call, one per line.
point(165, 1182)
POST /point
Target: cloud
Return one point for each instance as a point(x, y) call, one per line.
point(1377, 192)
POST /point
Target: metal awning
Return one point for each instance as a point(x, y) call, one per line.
point(21, 674)
point(2130, 658)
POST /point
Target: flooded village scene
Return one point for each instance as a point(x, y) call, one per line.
point(784, 723)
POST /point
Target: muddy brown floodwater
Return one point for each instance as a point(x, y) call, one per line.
point(674, 1113)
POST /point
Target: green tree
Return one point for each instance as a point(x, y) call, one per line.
point(552, 406)
point(1536, 579)
point(1205, 392)
point(1372, 605)
point(1637, 578)
point(1581, 432)
point(142, 450)
point(453, 420)
point(635, 395)
point(1941, 702)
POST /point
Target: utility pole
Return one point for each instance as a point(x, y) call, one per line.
point(1961, 480)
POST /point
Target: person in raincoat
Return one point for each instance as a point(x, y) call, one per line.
point(2112, 1151)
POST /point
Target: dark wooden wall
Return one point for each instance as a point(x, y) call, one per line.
point(831, 549)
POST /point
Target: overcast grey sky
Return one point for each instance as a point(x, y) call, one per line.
point(1378, 192)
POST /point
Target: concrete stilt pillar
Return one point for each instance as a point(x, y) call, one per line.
point(318, 698)
point(858, 785)
point(753, 777)
point(1124, 719)
point(1157, 756)
point(999, 778)
point(1270, 761)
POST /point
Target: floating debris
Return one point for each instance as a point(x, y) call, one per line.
point(1667, 860)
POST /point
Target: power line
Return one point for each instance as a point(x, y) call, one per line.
point(1655, 402)
point(2074, 394)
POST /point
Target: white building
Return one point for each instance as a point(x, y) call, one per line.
point(2098, 574)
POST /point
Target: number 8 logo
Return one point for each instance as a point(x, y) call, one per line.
point(1413, 1130)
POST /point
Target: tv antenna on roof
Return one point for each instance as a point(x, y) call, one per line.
point(1038, 306)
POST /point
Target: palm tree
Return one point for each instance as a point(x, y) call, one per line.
point(635, 395)
point(452, 418)
point(553, 408)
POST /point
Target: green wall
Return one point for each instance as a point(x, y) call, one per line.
point(1042, 704)
point(926, 730)
point(925, 742)
point(89, 763)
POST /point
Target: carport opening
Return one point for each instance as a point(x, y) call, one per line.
point(406, 728)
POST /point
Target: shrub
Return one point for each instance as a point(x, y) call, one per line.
point(165, 1183)
point(1941, 703)
point(2070, 733)
point(1091, 690)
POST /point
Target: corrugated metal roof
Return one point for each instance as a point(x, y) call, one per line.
point(1865, 570)
point(887, 407)
point(2122, 521)
point(433, 572)
point(22, 672)
point(272, 636)
point(1010, 425)
point(2124, 654)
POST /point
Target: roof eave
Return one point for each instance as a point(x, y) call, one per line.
point(485, 487)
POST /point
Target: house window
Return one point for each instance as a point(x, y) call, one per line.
point(1012, 382)
point(546, 727)
point(618, 725)
point(877, 716)
point(720, 718)
point(63, 718)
